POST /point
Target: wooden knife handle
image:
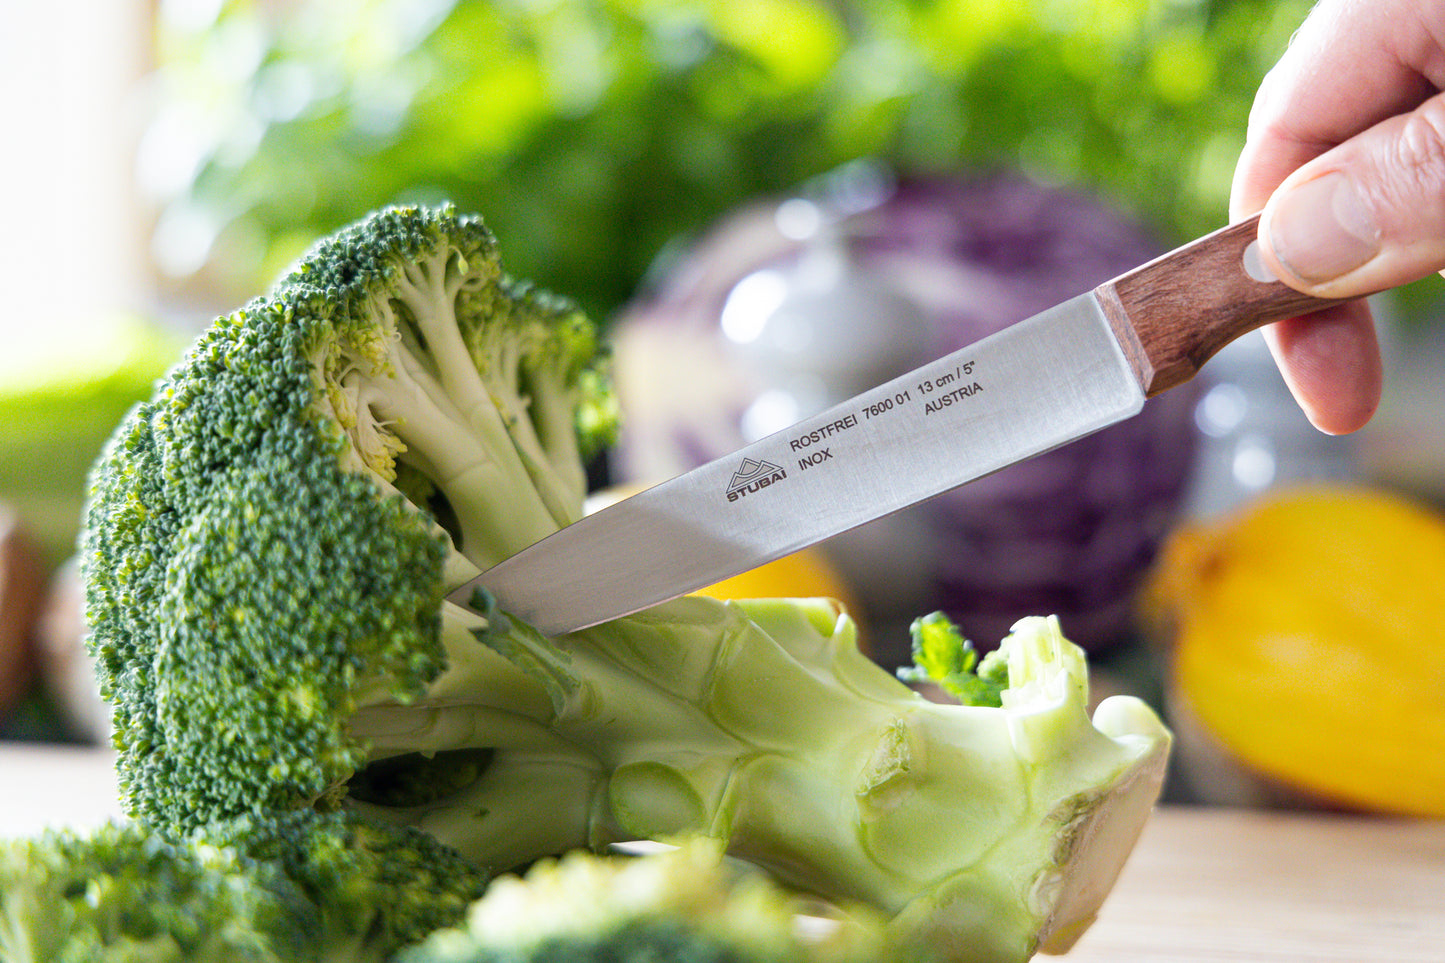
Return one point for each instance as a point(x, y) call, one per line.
point(1174, 313)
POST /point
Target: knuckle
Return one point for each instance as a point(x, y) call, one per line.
point(1419, 153)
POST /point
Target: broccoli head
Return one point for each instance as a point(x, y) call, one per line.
point(268, 537)
point(271, 538)
point(296, 888)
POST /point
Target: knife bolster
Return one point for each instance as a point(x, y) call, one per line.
point(1176, 312)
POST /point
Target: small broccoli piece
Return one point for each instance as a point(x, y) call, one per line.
point(303, 887)
point(126, 893)
point(270, 540)
point(685, 905)
point(376, 888)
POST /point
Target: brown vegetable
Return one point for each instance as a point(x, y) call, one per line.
point(66, 668)
point(22, 588)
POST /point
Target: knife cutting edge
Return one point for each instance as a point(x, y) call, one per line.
point(1062, 374)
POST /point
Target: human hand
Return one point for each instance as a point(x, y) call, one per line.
point(1345, 155)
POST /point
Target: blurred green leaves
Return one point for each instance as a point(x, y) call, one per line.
point(60, 399)
point(591, 133)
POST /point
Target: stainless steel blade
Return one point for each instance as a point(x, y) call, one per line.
point(1041, 383)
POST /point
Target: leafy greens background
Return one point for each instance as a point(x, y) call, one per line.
point(593, 133)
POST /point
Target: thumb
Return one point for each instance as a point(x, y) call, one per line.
point(1367, 215)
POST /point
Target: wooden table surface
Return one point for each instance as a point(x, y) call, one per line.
point(1205, 885)
point(1216, 885)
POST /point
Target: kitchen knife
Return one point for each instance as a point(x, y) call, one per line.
point(1062, 374)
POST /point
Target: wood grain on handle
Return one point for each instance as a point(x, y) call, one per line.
point(1174, 313)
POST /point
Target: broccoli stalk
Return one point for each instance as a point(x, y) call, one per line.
point(270, 539)
point(760, 724)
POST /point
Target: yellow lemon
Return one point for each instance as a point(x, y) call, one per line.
point(1310, 644)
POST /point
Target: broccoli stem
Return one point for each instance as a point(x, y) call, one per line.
point(560, 486)
point(554, 415)
point(724, 720)
point(522, 807)
point(429, 288)
point(469, 469)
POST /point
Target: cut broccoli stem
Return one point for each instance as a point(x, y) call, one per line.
point(698, 717)
point(523, 805)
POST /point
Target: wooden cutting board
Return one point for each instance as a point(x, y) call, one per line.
point(1216, 885)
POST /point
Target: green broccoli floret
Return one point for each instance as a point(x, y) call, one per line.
point(253, 567)
point(376, 887)
point(271, 538)
point(126, 893)
point(686, 905)
point(298, 888)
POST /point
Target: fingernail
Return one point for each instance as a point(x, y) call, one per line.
point(1322, 230)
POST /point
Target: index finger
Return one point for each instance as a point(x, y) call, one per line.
point(1352, 64)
